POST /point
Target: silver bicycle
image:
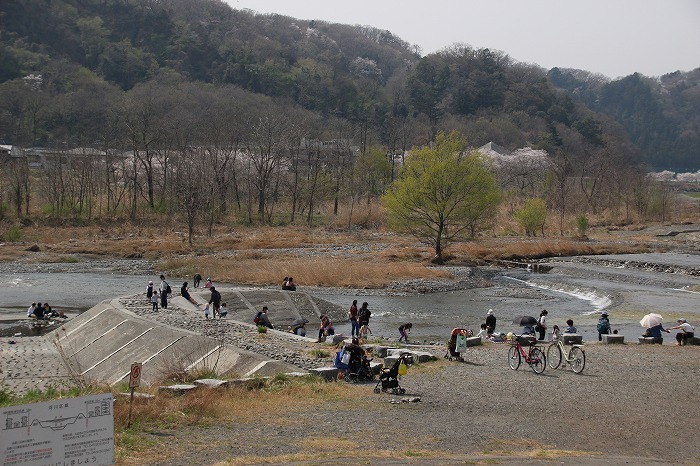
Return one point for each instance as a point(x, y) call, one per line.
point(575, 356)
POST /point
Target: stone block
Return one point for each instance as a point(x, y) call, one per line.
point(178, 389)
point(296, 374)
point(380, 351)
point(651, 340)
point(413, 355)
point(473, 341)
point(389, 361)
point(376, 367)
point(572, 339)
point(610, 339)
point(137, 395)
point(326, 373)
point(692, 341)
point(211, 383)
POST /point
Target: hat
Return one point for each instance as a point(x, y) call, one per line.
point(682, 320)
point(150, 283)
point(490, 312)
point(604, 313)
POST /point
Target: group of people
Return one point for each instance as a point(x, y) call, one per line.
point(359, 320)
point(42, 311)
point(687, 331)
point(288, 284)
point(159, 295)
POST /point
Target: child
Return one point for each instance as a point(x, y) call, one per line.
point(484, 332)
point(206, 311)
point(223, 310)
point(155, 299)
point(570, 328)
point(556, 333)
point(403, 332)
point(364, 330)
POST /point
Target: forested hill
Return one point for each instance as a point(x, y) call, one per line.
point(69, 52)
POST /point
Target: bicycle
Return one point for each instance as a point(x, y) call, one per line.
point(576, 356)
point(534, 357)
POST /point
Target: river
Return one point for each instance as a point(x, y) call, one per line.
point(571, 289)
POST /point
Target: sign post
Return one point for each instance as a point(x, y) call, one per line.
point(134, 381)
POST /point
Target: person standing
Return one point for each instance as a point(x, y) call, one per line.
point(154, 300)
point(403, 331)
point(686, 331)
point(196, 280)
point(215, 301)
point(364, 314)
point(490, 322)
point(163, 290)
point(149, 290)
point(352, 315)
point(541, 326)
point(603, 326)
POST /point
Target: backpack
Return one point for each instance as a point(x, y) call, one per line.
point(168, 290)
point(257, 318)
point(603, 325)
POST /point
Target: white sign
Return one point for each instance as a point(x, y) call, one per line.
point(67, 432)
point(135, 375)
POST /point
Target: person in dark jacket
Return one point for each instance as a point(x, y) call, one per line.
point(364, 314)
point(214, 301)
point(490, 322)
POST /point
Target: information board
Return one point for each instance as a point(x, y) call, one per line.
point(67, 432)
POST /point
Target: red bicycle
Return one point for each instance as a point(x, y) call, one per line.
point(534, 356)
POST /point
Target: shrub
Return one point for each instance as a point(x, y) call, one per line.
point(582, 224)
point(12, 234)
point(532, 216)
point(262, 329)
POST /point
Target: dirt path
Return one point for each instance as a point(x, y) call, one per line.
point(634, 404)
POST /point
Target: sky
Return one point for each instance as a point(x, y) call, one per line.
point(613, 37)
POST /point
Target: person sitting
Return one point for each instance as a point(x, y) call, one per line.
point(686, 331)
point(223, 310)
point(529, 330)
point(325, 329)
point(30, 311)
point(299, 327)
point(39, 312)
point(209, 283)
point(262, 318)
point(185, 292)
point(570, 328)
point(484, 332)
point(655, 332)
point(289, 285)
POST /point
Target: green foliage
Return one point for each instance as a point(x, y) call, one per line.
point(319, 354)
point(262, 329)
point(581, 224)
point(442, 193)
point(532, 216)
point(12, 234)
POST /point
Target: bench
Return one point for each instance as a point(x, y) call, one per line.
point(572, 339)
point(651, 340)
point(326, 373)
point(610, 339)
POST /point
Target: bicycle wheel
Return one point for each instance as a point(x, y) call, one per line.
point(554, 356)
point(538, 361)
point(513, 357)
point(577, 358)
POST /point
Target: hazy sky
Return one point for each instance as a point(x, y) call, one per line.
point(612, 37)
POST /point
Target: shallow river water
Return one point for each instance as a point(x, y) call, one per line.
point(570, 290)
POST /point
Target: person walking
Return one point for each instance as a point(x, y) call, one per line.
point(352, 315)
point(541, 326)
point(214, 301)
point(404, 330)
point(603, 326)
point(149, 291)
point(154, 300)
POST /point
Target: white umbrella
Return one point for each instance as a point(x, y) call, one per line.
point(651, 320)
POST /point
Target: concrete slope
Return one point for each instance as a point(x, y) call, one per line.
point(102, 343)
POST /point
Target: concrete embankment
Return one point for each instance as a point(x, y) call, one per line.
point(100, 344)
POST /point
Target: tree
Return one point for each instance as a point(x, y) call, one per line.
point(532, 216)
point(441, 193)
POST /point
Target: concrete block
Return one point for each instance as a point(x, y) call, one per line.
point(572, 339)
point(473, 341)
point(178, 389)
point(417, 356)
point(326, 373)
point(376, 367)
point(389, 361)
point(651, 340)
point(339, 338)
point(380, 351)
point(211, 383)
point(692, 341)
point(137, 395)
point(296, 374)
point(610, 339)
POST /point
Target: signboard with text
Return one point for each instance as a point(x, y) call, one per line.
point(67, 432)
